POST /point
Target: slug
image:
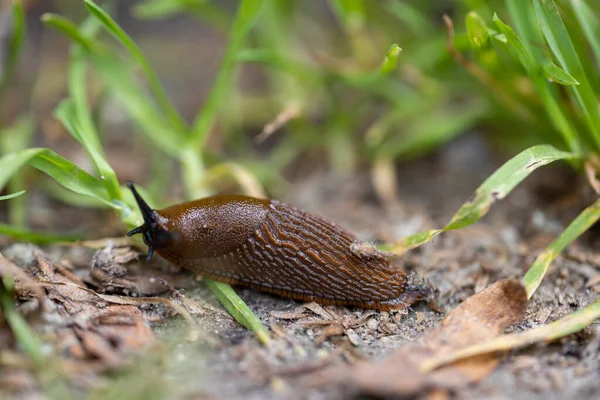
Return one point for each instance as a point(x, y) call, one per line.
point(276, 248)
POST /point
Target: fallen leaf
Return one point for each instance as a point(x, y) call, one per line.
point(482, 316)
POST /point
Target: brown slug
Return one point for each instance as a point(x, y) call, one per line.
point(274, 247)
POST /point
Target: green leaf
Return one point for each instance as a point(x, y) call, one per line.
point(238, 309)
point(77, 118)
point(15, 138)
point(477, 31)
point(550, 100)
point(16, 44)
point(590, 25)
point(526, 26)
point(138, 105)
point(247, 15)
point(556, 74)
point(495, 188)
point(121, 82)
point(501, 37)
point(390, 62)
point(582, 223)
point(58, 168)
point(24, 234)
point(118, 33)
point(559, 40)
point(69, 29)
point(23, 334)
point(12, 195)
point(516, 46)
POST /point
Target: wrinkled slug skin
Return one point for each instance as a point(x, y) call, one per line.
point(277, 248)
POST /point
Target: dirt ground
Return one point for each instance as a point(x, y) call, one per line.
point(226, 361)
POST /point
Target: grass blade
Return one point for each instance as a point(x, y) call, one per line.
point(590, 25)
point(551, 104)
point(558, 39)
point(477, 31)
point(122, 37)
point(23, 333)
point(137, 104)
point(238, 309)
point(12, 139)
point(390, 62)
point(58, 168)
point(16, 44)
point(556, 74)
point(522, 15)
point(495, 188)
point(83, 123)
point(69, 29)
point(12, 195)
point(565, 326)
point(538, 270)
point(247, 14)
point(24, 234)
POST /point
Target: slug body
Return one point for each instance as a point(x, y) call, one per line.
point(274, 247)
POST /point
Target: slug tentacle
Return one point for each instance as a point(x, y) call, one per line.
point(150, 230)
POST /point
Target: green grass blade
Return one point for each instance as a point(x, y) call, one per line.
point(538, 270)
point(12, 195)
point(122, 85)
point(137, 104)
point(517, 46)
point(495, 188)
point(69, 29)
point(238, 309)
point(590, 25)
point(556, 74)
point(16, 44)
point(85, 125)
point(477, 31)
point(390, 62)
point(551, 103)
point(559, 40)
point(23, 333)
point(58, 168)
point(24, 234)
point(12, 139)
point(526, 26)
point(247, 15)
point(122, 37)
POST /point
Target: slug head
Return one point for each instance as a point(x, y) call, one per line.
point(153, 233)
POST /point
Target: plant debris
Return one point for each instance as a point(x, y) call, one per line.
point(482, 316)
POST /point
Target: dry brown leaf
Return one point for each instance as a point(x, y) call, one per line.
point(482, 316)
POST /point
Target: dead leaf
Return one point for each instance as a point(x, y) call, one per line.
point(482, 316)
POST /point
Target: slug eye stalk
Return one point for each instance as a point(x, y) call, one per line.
point(149, 226)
